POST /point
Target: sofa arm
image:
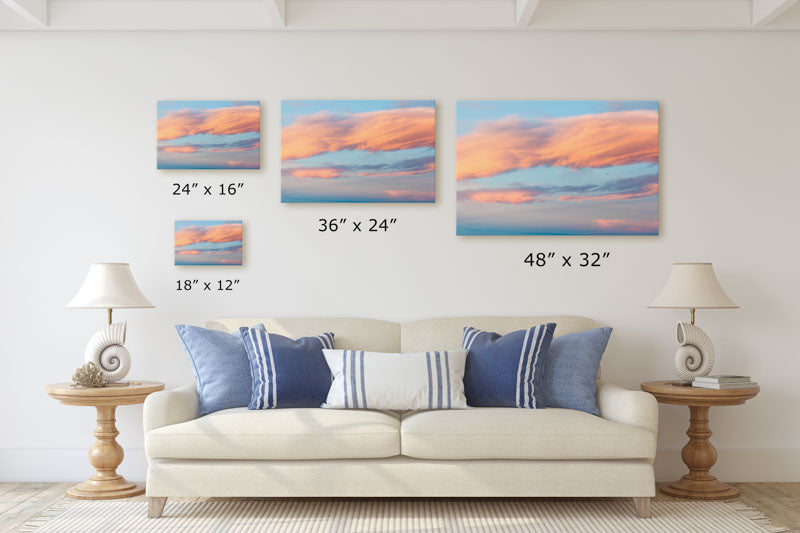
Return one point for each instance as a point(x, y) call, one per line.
point(170, 407)
point(635, 408)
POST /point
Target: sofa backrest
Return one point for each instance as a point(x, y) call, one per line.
point(417, 336)
point(446, 333)
point(349, 333)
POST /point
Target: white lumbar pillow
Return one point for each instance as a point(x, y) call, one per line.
point(396, 381)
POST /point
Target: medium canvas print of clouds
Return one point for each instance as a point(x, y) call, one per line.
point(208, 242)
point(358, 150)
point(195, 134)
point(557, 168)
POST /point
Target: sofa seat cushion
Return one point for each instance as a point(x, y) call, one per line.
point(509, 433)
point(281, 434)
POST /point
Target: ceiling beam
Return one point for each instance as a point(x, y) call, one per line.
point(642, 15)
point(765, 11)
point(34, 11)
point(520, 15)
point(400, 14)
point(525, 9)
point(277, 10)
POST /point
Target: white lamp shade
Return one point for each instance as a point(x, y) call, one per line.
point(693, 285)
point(109, 286)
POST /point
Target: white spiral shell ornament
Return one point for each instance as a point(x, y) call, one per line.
point(695, 357)
point(106, 350)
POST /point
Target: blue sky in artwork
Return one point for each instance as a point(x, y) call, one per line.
point(208, 242)
point(196, 134)
point(557, 167)
point(358, 150)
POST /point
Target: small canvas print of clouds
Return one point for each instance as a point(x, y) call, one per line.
point(208, 242)
point(557, 168)
point(358, 150)
point(194, 134)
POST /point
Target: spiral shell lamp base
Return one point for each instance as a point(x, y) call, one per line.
point(106, 349)
point(695, 357)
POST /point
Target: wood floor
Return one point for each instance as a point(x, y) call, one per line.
point(21, 501)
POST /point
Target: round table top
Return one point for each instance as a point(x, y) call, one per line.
point(674, 392)
point(114, 394)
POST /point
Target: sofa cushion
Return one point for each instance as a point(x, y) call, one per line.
point(509, 433)
point(279, 434)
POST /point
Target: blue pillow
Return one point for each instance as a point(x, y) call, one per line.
point(571, 369)
point(506, 371)
point(220, 365)
point(286, 372)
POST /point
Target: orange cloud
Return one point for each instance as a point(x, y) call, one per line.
point(416, 196)
point(196, 234)
point(242, 164)
point(429, 167)
point(593, 141)
point(208, 252)
point(179, 149)
point(221, 121)
point(510, 196)
point(648, 190)
point(628, 226)
point(373, 131)
point(314, 172)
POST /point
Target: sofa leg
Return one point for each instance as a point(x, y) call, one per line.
point(155, 506)
point(642, 506)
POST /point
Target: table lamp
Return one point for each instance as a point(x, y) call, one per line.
point(109, 286)
point(693, 286)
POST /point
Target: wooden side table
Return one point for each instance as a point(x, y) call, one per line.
point(106, 454)
point(698, 454)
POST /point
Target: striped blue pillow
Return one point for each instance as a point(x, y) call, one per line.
point(506, 370)
point(286, 372)
point(396, 381)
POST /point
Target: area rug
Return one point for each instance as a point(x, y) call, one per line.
point(565, 516)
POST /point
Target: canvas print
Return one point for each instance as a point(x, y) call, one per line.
point(358, 150)
point(208, 242)
point(557, 168)
point(212, 134)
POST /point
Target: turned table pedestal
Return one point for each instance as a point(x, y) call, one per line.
point(698, 454)
point(106, 454)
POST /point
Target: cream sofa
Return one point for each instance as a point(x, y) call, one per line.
point(480, 452)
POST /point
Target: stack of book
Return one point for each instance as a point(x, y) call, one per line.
point(723, 382)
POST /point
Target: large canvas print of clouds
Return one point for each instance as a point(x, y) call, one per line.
point(557, 168)
point(194, 134)
point(358, 150)
point(208, 242)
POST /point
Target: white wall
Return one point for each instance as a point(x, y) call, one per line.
point(79, 184)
